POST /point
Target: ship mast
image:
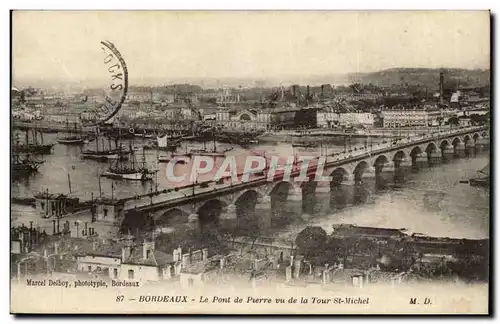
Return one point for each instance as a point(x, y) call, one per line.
point(132, 155)
point(215, 145)
point(97, 138)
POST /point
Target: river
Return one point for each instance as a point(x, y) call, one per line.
point(459, 210)
point(84, 174)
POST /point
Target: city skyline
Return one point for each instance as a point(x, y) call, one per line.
point(243, 45)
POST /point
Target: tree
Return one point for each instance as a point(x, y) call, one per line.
point(311, 239)
point(479, 119)
point(453, 120)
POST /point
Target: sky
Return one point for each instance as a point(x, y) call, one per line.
point(167, 45)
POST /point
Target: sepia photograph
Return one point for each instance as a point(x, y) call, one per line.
point(250, 162)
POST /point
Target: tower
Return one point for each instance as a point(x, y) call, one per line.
point(441, 88)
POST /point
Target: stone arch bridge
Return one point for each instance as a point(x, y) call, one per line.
point(251, 206)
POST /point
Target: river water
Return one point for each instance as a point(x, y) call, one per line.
point(84, 174)
point(458, 210)
point(431, 201)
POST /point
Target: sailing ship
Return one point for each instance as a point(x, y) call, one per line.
point(24, 166)
point(130, 170)
point(72, 139)
point(483, 178)
point(102, 154)
point(34, 145)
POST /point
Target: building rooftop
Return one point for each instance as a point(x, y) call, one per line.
point(352, 229)
point(199, 267)
point(52, 196)
point(267, 241)
point(155, 258)
point(99, 248)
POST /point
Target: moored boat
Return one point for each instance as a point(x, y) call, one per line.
point(141, 175)
point(202, 152)
point(33, 148)
point(71, 139)
point(129, 171)
point(483, 178)
point(24, 166)
point(35, 145)
point(102, 154)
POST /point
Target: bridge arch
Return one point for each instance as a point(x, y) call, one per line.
point(431, 147)
point(399, 158)
point(279, 196)
point(380, 161)
point(171, 217)
point(135, 220)
point(359, 169)
point(245, 210)
point(243, 194)
point(414, 152)
point(308, 189)
point(444, 143)
point(280, 187)
point(456, 140)
point(399, 155)
point(209, 214)
point(338, 175)
point(484, 134)
point(467, 138)
point(475, 136)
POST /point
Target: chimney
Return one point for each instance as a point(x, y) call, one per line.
point(94, 246)
point(441, 88)
point(326, 276)
point(175, 255)
point(126, 250)
point(21, 238)
point(147, 249)
point(185, 260)
point(288, 274)
point(322, 90)
point(308, 91)
point(56, 247)
point(221, 263)
point(297, 268)
point(38, 233)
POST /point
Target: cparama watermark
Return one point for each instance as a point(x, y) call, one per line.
point(304, 168)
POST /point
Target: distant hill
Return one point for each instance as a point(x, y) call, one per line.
point(424, 77)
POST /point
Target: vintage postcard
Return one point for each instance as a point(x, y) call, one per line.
point(250, 162)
